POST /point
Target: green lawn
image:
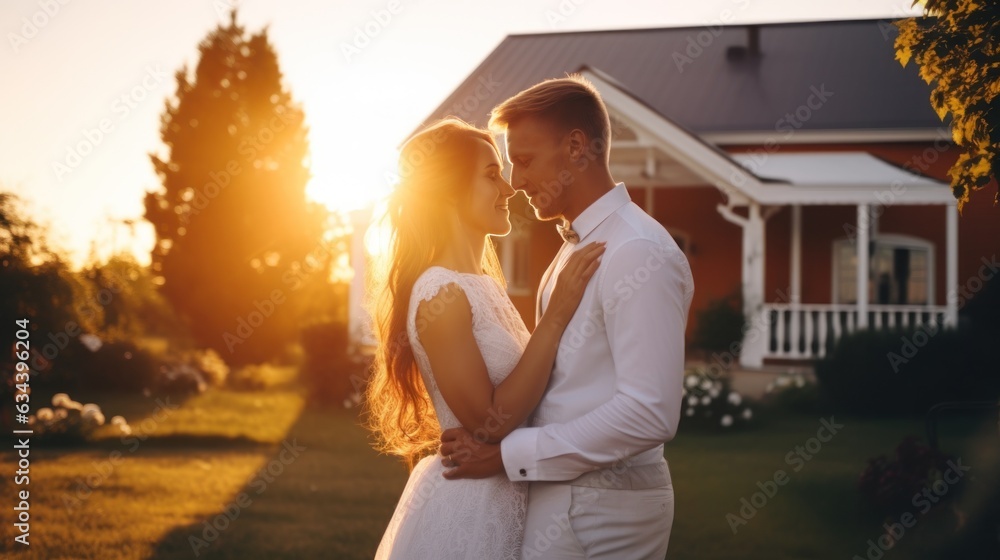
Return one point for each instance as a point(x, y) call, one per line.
point(203, 461)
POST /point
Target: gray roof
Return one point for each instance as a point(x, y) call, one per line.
point(717, 90)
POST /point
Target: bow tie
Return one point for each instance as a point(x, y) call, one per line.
point(567, 233)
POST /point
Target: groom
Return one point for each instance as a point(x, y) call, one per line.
point(600, 486)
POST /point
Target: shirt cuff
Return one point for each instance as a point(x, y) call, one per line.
point(517, 451)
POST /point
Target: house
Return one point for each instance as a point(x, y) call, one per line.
point(798, 165)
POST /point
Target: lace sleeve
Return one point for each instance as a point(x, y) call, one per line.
point(430, 283)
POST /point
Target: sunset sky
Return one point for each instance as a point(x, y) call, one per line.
point(61, 80)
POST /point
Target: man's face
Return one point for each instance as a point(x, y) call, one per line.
point(539, 159)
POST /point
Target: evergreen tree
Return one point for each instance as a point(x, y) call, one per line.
point(232, 221)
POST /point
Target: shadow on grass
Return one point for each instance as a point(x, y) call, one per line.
point(321, 493)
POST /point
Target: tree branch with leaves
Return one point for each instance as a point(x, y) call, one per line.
point(956, 45)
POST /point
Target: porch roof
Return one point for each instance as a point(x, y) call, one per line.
point(772, 179)
point(840, 178)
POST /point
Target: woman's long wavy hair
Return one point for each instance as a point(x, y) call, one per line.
point(436, 172)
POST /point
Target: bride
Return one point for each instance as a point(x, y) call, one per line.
point(452, 349)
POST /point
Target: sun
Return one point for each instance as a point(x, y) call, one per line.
point(348, 188)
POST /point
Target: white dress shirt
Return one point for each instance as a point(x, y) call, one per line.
point(615, 390)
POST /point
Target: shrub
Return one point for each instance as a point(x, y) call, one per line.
point(123, 366)
point(889, 485)
point(209, 364)
point(115, 366)
point(720, 325)
point(260, 377)
point(709, 402)
point(908, 371)
point(329, 373)
point(69, 421)
point(793, 392)
point(192, 372)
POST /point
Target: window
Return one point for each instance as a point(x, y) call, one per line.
point(900, 271)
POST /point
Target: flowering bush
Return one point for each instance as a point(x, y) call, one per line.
point(193, 372)
point(113, 366)
point(709, 401)
point(891, 485)
point(793, 391)
point(211, 365)
point(71, 421)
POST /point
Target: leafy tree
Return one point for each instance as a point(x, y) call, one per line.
point(38, 285)
point(36, 282)
point(132, 305)
point(957, 45)
point(232, 220)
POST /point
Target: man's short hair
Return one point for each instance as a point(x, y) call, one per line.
point(568, 103)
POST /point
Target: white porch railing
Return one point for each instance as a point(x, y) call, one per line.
point(808, 331)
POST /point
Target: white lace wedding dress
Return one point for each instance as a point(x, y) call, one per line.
point(479, 519)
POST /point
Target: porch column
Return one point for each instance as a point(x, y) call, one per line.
point(795, 282)
point(759, 333)
point(951, 265)
point(359, 327)
point(864, 221)
point(650, 173)
point(507, 255)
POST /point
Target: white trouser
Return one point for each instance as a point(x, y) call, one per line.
point(601, 515)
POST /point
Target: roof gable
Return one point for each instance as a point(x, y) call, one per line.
point(814, 76)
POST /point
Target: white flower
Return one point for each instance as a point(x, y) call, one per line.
point(118, 421)
point(61, 414)
point(782, 381)
point(726, 421)
point(73, 405)
point(747, 414)
point(59, 398)
point(689, 412)
point(91, 342)
point(93, 418)
point(692, 401)
point(92, 414)
point(713, 392)
point(734, 398)
point(706, 385)
point(800, 381)
point(44, 414)
point(706, 400)
point(691, 381)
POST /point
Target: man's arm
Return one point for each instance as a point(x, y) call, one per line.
point(645, 293)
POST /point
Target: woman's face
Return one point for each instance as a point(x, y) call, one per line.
point(487, 211)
